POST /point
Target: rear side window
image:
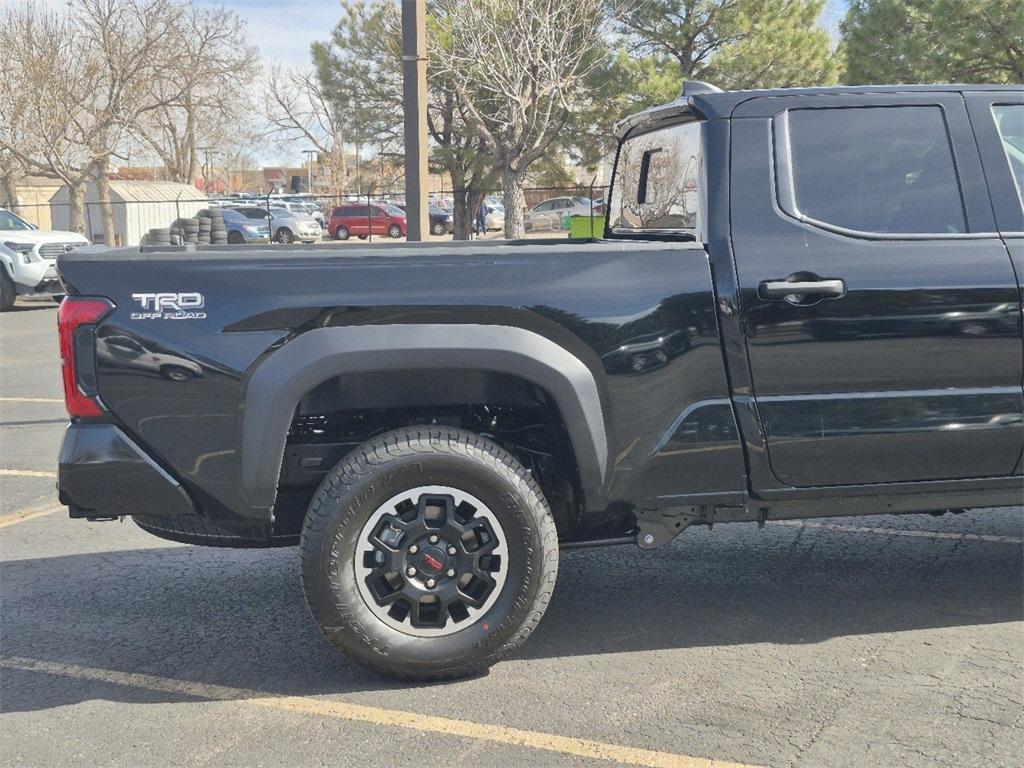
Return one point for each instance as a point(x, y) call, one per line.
point(886, 170)
point(1010, 124)
point(658, 181)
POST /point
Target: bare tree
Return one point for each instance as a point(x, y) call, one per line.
point(48, 83)
point(298, 110)
point(131, 42)
point(519, 68)
point(203, 92)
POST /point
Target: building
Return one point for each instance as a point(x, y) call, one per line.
point(138, 207)
point(33, 203)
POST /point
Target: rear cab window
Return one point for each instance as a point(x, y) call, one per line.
point(658, 183)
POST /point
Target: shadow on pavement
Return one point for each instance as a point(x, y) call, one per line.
point(237, 618)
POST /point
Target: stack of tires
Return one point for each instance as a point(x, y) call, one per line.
point(211, 227)
point(158, 236)
point(185, 232)
point(207, 227)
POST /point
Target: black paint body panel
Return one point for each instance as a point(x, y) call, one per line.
point(879, 400)
point(595, 300)
point(102, 473)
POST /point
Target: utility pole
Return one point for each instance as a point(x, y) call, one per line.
point(309, 153)
point(414, 106)
point(207, 169)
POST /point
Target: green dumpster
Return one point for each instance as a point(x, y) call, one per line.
point(586, 226)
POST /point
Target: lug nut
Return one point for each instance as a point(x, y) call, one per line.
point(431, 583)
point(451, 573)
point(433, 539)
point(410, 571)
point(413, 549)
point(451, 550)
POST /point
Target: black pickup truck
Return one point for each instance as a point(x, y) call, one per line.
point(806, 303)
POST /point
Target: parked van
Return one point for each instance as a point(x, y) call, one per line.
point(364, 220)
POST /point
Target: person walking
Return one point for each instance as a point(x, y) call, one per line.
point(481, 219)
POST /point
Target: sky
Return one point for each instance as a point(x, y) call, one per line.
point(284, 29)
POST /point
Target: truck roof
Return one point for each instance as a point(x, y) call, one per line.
point(711, 102)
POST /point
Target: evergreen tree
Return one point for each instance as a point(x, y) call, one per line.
point(927, 41)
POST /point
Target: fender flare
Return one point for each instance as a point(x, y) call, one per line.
point(279, 382)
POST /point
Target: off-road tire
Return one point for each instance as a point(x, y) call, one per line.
point(371, 475)
point(203, 532)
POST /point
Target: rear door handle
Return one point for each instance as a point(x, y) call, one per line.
point(783, 289)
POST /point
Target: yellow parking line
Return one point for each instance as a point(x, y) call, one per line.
point(903, 532)
point(26, 473)
point(392, 718)
point(31, 400)
point(30, 513)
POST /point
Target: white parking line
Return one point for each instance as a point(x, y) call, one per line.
point(30, 513)
point(902, 532)
point(389, 718)
point(26, 473)
point(52, 400)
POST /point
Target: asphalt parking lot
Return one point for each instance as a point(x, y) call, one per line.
point(878, 641)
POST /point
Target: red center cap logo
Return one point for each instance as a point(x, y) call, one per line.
point(432, 561)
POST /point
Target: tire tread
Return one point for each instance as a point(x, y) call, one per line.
point(359, 464)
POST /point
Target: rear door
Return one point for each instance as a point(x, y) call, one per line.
point(998, 122)
point(378, 220)
point(880, 306)
point(358, 220)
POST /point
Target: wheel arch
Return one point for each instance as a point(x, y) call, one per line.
point(276, 386)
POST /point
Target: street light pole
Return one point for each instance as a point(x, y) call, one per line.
point(309, 168)
point(414, 106)
point(207, 170)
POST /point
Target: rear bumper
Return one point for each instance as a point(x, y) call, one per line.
point(103, 473)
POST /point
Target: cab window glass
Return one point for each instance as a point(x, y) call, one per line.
point(876, 169)
point(1010, 123)
point(657, 183)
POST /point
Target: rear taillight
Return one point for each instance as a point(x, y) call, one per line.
point(76, 323)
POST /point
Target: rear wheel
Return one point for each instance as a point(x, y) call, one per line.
point(428, 553)
point(438, 228)
point(235, 237)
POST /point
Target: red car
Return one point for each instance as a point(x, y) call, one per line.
point(362, 220)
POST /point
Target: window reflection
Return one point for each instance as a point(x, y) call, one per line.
point(657, 184)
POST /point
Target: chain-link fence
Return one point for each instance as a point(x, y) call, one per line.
point(286, 218)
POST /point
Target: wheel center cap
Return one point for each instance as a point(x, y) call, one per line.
point(433, 560)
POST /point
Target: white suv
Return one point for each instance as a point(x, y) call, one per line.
point(28, 258)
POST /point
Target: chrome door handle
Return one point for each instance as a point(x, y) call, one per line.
point(781, 289)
